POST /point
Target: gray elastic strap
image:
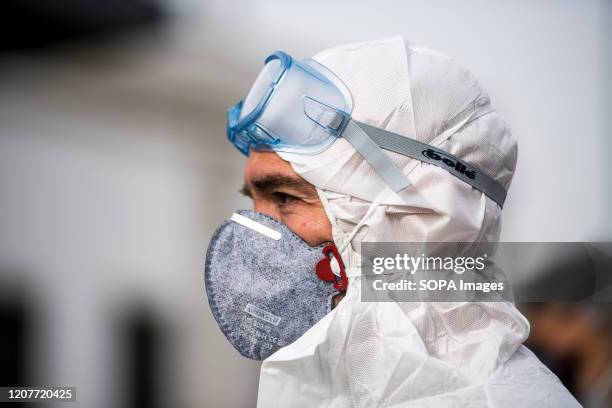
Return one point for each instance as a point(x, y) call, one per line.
point(372, 153)
point(432, 155)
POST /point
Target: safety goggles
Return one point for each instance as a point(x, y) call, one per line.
point(302, 107)
point(293, 106)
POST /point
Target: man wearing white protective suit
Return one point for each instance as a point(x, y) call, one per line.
point(370, 170)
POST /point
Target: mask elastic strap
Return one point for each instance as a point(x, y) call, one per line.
point(346, 239)
point(373, 205)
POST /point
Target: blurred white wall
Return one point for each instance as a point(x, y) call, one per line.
point(114, 169)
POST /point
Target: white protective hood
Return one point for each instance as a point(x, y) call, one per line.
point(410, 354)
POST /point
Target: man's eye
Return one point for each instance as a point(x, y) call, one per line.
point(283, 199)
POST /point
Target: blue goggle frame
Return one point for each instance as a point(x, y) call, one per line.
point(237, 132)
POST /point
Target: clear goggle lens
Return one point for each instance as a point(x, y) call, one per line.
point(262, 85)
point(289, 108)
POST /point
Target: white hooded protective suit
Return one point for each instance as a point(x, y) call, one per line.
point(410, 354)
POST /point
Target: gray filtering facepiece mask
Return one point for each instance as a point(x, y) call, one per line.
point(265, 285)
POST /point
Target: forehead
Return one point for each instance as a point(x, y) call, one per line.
point(262, 164)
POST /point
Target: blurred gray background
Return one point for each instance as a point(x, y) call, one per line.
point(115, 170)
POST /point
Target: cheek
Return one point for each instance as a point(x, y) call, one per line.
point(315, 229)
point(267, 207)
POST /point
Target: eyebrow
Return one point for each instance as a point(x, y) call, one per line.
point(271, 183)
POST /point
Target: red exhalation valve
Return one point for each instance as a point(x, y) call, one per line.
point(324, 269)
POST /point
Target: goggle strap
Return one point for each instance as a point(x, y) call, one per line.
point(324, 115)
point(373, 154)
point(406, 146)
